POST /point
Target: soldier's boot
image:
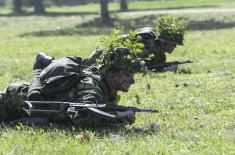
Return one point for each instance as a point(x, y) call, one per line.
point(1, 106)
point(42, 61)
point(34, 93)
point(4, 112)
point(1, 97)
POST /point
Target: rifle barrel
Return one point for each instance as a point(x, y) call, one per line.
point(168, 64)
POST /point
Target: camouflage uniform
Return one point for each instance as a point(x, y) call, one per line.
point(91, 89)
point(74, 84)
point(151, 46)
point(12, 101)
point(152, 41)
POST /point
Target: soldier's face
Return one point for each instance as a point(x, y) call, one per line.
point(125, 80)
point(168, 47)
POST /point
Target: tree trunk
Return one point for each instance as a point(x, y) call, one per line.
point(105, 19)
point(38, 7)
point(123, 5)
point(17, 6)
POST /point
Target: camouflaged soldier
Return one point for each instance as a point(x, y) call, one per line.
point(168, 34)
point(43, 60)
point(63, 80)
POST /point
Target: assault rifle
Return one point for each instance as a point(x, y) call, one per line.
point(157, 67)
point(74, 109)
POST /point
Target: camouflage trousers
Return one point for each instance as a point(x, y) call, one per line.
point(12, 101)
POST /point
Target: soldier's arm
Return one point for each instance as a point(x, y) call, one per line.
point(159, 57)
point(172, 68)
point(92, 58)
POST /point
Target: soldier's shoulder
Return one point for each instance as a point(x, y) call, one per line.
point(93, 72)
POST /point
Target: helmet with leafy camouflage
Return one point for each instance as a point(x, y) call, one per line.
point(122, 59)
point(147, 32)
point(171, 30)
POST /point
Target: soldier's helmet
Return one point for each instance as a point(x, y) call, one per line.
point(164, 36)
point(122, 59)
point(171, 30)
point(147, 33)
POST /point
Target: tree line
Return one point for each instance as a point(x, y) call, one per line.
point(39, 7)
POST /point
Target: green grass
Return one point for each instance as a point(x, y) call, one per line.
point(197, 104)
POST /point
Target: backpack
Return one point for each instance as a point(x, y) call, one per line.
point(60, 75)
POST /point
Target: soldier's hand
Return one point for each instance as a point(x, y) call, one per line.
point(98, 52)
point(127, 117)
point(172, 68)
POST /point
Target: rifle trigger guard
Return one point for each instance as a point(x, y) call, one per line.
point(72, 112)
point(29, 110)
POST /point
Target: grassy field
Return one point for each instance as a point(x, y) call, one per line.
point(136, 5)
point(197, 104)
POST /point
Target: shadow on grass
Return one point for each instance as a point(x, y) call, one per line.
point(69, 32)
point(48, 14)
point(118, 130)
point(210, 25)
point(173, 8)
point(94, 27)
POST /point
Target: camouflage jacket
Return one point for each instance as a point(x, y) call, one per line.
point(91, 89)
point(152, 49)
point(68, 80)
